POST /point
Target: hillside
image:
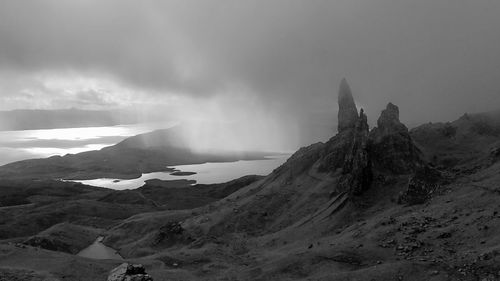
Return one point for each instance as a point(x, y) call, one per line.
point(144, 153)
point(379, 204)
point(366, 205)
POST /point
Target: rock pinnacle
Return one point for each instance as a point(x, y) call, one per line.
point(348, 113)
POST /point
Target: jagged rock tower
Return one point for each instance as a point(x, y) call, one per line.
point(348, 113)
point(355, 154)
point(391, 145)
point(346, 154)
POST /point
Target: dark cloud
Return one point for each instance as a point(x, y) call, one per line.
point(434, 58)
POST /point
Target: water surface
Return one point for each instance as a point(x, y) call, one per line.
point(28, 144)
point(206, 173)
point(98, 250)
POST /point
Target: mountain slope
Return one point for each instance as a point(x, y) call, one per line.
point(144, 153)
point(366, 205)
point(331, 213)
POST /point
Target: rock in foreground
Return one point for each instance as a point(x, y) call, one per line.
point(129, 272)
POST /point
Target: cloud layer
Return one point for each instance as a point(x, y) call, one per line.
point(435, 59)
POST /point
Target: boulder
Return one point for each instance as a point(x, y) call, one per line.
point(129, 272)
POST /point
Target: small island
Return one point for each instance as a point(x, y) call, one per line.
point(181, 173)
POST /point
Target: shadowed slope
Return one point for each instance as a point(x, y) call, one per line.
point(331, 212)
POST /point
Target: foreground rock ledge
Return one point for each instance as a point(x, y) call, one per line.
point(129, 272)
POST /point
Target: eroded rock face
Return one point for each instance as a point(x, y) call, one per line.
point(347, 154)
point(129, 272)
point(170, 234)
point(421, 186)
point(388, 122)
point(50, 244)
point(348, 113)
point(495, 152)
point(355, 153)
point(357, 173)
point(391, 146)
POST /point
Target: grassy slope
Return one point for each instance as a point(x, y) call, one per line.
point(292, 225)
point(287, 227)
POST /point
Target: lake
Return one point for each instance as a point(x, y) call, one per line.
point(98, 250)
point(206, 173)
point(28, 144)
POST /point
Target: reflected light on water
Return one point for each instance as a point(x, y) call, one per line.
point(206, 173)
point(50, 151)
point(21, 145)
point(84, 133)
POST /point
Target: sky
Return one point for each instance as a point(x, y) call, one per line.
point(267, 64)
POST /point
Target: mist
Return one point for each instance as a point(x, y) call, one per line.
point(256, 74)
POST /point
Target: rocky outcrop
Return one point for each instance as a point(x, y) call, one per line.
point(170, 234)
point(391, 146)
point(388, 122)
point(355, 153)
point(346, 154)
point(356, 170)
point(129, 272)
point(495, 152)
point(49, 244)
point(348, 113)
point(421, 186)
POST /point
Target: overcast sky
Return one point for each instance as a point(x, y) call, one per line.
point(436, 59)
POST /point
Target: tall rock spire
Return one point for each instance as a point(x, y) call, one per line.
point(348, 113)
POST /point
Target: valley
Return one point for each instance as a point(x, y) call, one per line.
point(382, 204)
